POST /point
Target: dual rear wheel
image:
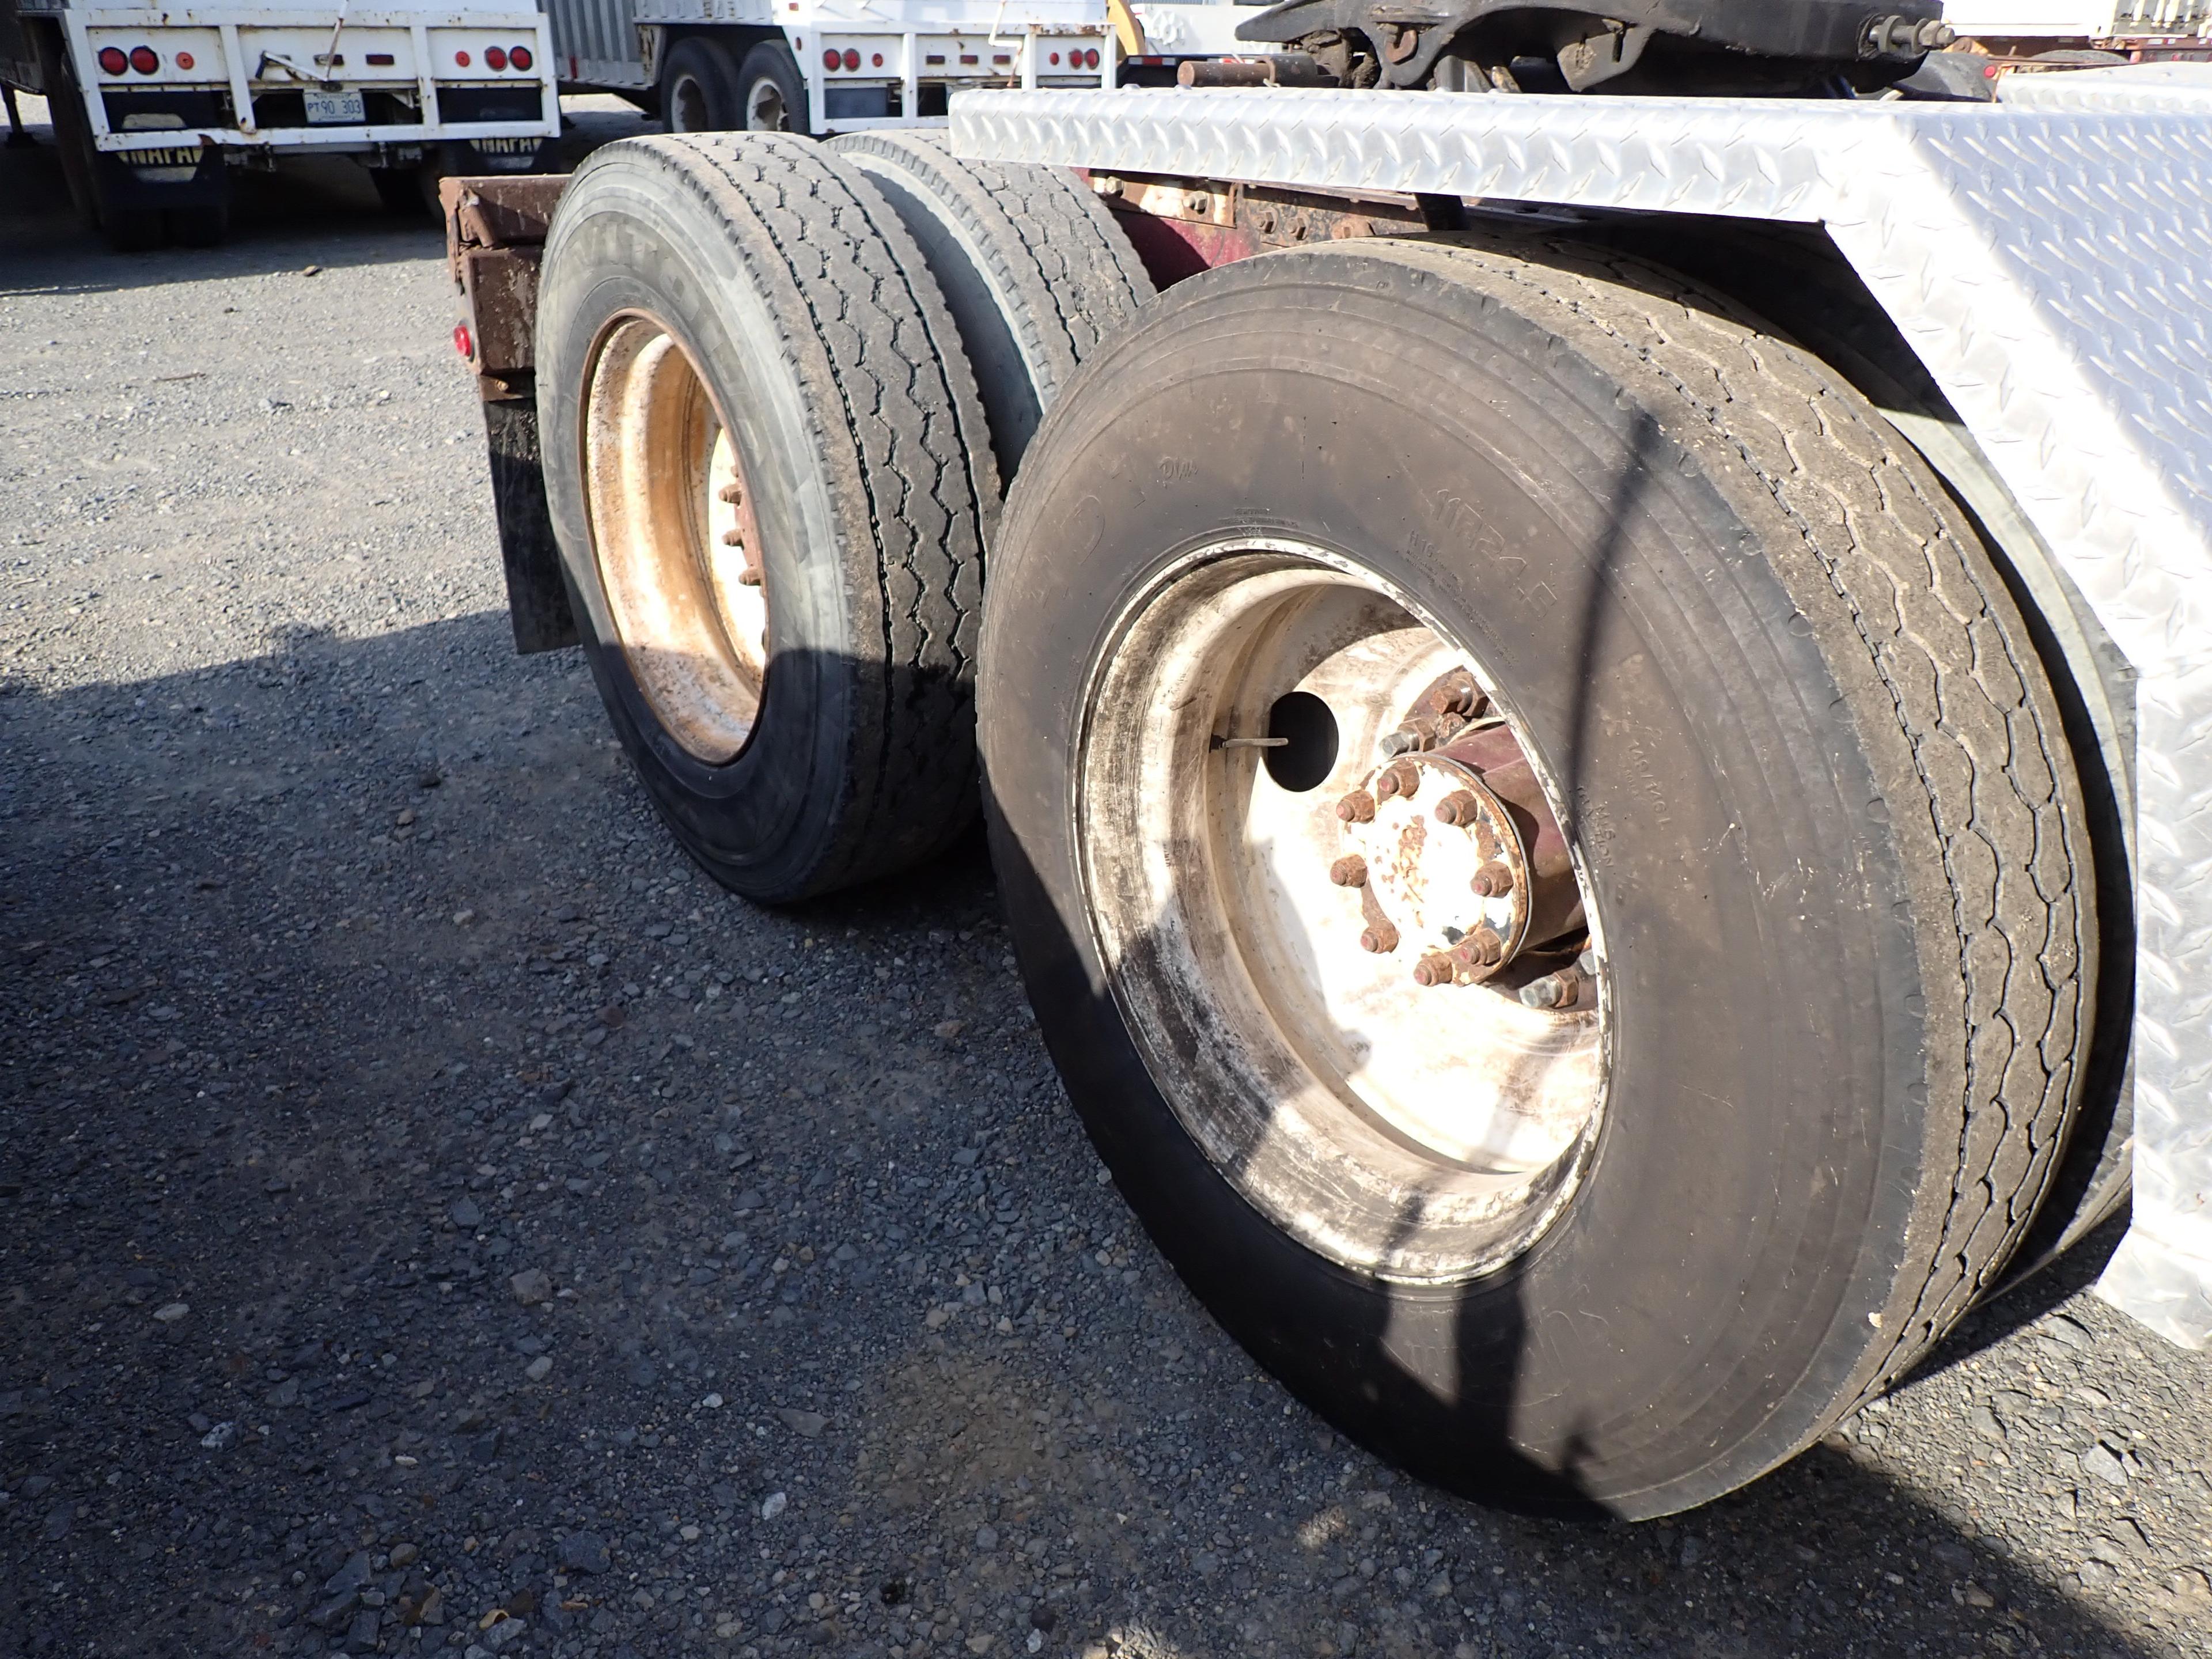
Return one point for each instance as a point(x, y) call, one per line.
point(1534, 832)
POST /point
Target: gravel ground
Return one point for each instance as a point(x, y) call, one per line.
point(438, 1221)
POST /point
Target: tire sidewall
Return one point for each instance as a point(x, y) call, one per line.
point(1726, 1211)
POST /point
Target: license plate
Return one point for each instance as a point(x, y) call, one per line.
point(326, 109)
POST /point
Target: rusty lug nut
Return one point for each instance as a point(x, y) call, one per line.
point(1402, 779)
point(1435, 968)
point(749, 576)
point(1587, 964)
point(1493, 881)
point(1482, 948)
point(1350, 871)
point(1358, 807)
point(1459, 807)
point(731, 493)
point(1380, 939)
point(734, 538)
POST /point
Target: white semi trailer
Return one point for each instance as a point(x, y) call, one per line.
point(154, 105)
point(1585, 648)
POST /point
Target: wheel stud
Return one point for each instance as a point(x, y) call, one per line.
point(731, 493)
point(1358, 807)
point(734, 538)
point(1402, 741)
point(1350, 871)
point(1493, 880)
point(1402, 778)
point(1435, 968)
point(1460, 808)
point(1380, 939)
point(749, 576)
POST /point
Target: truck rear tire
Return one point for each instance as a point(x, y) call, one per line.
point(1618, 1222)
point(772, 94)
point(700, 88)
point(766, 470)
point(1037, 274)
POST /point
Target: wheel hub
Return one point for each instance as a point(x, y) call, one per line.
point(1443, 865)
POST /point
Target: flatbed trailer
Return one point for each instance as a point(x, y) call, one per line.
point(153, 107)
point(1589, 708)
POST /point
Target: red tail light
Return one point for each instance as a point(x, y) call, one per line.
point(462, 344)
point(144, 60)
point(876, 60)
point(184, 60)
point(519, 59)
point(852, 59)
point(1091, 58)
point(494, 58)
point(1055, 57)
point(381, 59)
point(462, 58)
point(112, 60)
point(830, 59)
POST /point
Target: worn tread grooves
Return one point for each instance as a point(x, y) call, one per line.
point(1988, 755)
point(1071, 280)
point(902, 416)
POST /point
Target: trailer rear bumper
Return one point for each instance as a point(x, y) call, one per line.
point(2050, 260)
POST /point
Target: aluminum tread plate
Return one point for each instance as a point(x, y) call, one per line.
point(2050, 261)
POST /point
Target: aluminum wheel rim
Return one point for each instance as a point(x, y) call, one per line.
point(1415, 1134)
point(765, 110)
point(675, 537)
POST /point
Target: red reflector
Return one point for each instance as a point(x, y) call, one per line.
point(519, 59)
point(381, 59)
point(1000, 58)
point(494, 58)
point(462, 58)
point(852, 59)
point(1091, 58)
point(184, 60)
point(462, 344)
point(830, 59)
point(969, 58)
point(143, 59)
point(112, 60)
point(1055, 57)
point(876, 60)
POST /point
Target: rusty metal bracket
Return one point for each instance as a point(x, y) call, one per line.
point(494, 237)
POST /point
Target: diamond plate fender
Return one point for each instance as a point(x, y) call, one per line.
point(2050, 259)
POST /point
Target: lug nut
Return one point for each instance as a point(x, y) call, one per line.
point(1350, 871)
point(1380, 939)
point(1588, 963)
point(749, 576)
point(1435, 968)
point(1460, 808)
point(1493, 880)
point(734, 538)
point(1402, 741)
point(1358, 807)
point(731, 493)
point(1482, 949)
point(1552, 991)
point(1402, 779)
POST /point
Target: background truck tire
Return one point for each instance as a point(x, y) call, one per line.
point(817, 347)
point(1037, 274)
point(772, 96)
point(700, 87)
point(1827, 823)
